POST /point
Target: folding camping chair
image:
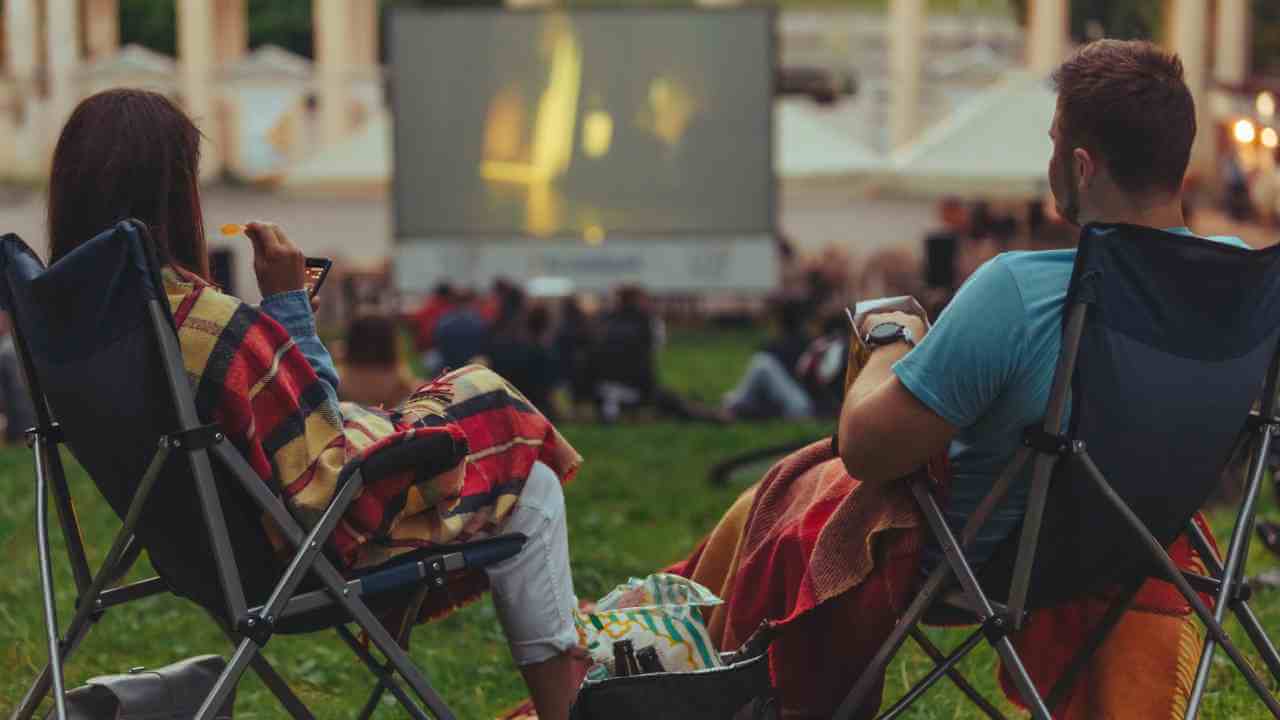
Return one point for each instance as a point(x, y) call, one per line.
point(1168, 341)
point(101, 355)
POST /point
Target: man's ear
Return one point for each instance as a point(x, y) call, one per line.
point(1085, 167)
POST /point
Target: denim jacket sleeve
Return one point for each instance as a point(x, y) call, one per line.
point(293, 310)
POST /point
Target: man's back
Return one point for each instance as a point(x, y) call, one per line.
point(986, 368)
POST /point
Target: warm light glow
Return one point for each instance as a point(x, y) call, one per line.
point(1244, 132)
point(593, 234)
point(1270, 139)
point(1266, 104)
point(597, 133)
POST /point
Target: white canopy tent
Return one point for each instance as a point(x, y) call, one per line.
point(361, 164)
point(995, 145)
point(811, 143)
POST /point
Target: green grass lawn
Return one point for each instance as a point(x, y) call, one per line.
point(641, 502)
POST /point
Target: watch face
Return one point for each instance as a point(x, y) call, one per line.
point(884, 332)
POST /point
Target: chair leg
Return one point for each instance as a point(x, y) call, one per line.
point(402, 637)
point(1243, 611)
point(942, 668)
point(40, 686)
point(386, 680)
point(1022, 679)
point(46, 582)
point(291, 703)
point(928, 593)
point(956, 677)
point(1174, 575)
point(262, 667)
point(1115, 613)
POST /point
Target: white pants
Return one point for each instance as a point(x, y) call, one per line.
point(533, 591)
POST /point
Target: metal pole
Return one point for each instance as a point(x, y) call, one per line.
point(1236, 553)
point(46, 581)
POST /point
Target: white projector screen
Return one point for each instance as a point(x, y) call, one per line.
point(604, 146)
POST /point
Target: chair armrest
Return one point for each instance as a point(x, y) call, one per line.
point(436, 562)
point(429, 452)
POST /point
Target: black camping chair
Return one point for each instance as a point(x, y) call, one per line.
point(101, 355)
point(1168, 341)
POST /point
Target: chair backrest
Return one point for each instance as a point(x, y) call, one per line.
point(89, 326)
point(1175, 349)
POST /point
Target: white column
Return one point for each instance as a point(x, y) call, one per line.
point(62, 47)
point(101, 27)
point(1232, 42)
point(1189, 37)
point(20, 28)
point(1046, 35)
point(195, 75)
point(333, 68)
point(906, 51)
point(231, 42)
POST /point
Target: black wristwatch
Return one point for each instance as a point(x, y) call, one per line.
point(888, 333)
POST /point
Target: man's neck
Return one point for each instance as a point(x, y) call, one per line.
point(1163, 215)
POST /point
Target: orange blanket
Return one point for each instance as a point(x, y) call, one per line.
point(834, 563)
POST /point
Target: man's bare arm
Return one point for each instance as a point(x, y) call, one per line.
point(885, 432)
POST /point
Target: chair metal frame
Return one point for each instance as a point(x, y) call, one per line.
point(1046, 445)
point(252, 627)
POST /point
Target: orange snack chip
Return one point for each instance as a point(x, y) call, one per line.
point(230, 229)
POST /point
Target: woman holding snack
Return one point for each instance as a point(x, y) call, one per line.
point(264, 375)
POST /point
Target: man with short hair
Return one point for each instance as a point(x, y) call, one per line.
point(831, 559)
point(1122, 136)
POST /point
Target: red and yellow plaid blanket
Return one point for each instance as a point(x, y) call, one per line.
point(833, 563)
point(251, 379)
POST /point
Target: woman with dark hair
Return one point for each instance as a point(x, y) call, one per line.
point(265, 377)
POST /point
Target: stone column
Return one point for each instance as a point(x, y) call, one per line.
point(1188, 37)
point(21, 48)
point(1232, 42)
point(1046, 35)
point(101, 28)
point(195, 75)
point(333, 60)
point(906, 65)
point(62, 47)
point(231, 42)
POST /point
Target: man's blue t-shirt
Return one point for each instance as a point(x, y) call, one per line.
point(986, 367)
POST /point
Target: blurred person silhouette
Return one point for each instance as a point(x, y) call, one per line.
point(574, 338)
point(461, 336)
point(769, 387)
point(424, 320)
point(623, 365)
point(523, 355)
point(374, 371)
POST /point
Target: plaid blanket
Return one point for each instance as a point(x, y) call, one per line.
point(251, 379)
point(833, 563)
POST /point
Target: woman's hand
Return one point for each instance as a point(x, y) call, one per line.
point(278, 263)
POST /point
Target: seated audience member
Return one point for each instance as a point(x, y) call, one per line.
point(623, 365)
point(832, 547)
point(423, 322)
point(15, 400)
point(523, 357)
point(374, 372)
point(461, 336)
point(130, 153)
point(769, 387)
point(574, 337)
